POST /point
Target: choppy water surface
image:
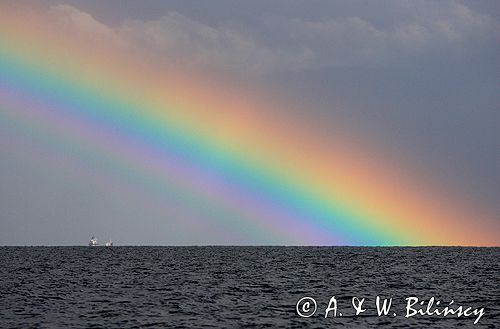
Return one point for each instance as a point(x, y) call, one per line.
point(229, 287)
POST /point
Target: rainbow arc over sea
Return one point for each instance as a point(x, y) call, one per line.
point(273, 177)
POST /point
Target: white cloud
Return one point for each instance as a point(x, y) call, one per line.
point(71, 17)
point(290, 43)
point(183, 40)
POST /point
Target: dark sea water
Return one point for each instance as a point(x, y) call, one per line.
point(233, 287)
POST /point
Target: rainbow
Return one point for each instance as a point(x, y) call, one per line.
point(276, 178)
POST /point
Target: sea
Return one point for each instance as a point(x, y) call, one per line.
point(249, 287)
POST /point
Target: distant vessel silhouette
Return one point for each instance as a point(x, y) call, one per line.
point(93, 242)
point(109, 243)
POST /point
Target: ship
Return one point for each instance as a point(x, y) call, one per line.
point(93, 242)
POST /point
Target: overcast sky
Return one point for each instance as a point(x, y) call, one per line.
point(422, 77)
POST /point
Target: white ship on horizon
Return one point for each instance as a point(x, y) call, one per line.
point(109, 243)
point(93, 242)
